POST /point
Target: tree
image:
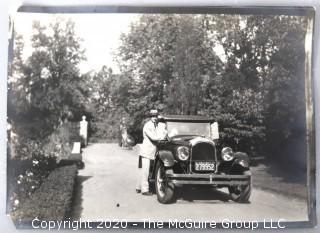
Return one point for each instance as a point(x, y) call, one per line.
point(285, 88)
point(235, 68)
point(53, 68)
point(146, 54)
point(264, 55)
point(194, 63)
point(16, 92)
point(181, 72)
point(50, 87)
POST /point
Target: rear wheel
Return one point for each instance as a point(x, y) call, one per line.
point(164, 187)
point(241, 193)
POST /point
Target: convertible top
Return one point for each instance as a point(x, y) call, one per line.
point(185, 118)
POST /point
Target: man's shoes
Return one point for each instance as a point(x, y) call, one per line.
point(147, 193)
point(138, 191)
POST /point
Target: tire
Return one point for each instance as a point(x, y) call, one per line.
point(164, 188)
point(241, 193)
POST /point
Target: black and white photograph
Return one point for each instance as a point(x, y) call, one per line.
point(161, 115)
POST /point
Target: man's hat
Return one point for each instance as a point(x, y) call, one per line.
point(153, 112)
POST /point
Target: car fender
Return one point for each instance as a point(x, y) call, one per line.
point(166, 157)
point(241, 161)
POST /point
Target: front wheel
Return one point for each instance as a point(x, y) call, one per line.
point(241, 193)
point(164, 187)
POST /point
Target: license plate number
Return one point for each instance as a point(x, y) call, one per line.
point(204, 166)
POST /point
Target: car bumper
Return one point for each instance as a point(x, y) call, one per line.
point(208, 179)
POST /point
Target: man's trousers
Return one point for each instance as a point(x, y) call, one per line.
point(142, 182)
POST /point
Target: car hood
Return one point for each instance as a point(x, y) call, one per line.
point(189, 139)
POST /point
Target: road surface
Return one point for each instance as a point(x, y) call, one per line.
point(106, 190)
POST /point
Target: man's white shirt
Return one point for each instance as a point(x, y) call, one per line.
point(150, 131)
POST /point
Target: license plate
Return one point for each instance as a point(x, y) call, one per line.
point(204, 166)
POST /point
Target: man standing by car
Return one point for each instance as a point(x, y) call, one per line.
point(151, 132)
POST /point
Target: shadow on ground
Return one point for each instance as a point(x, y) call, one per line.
point(281, 177)
point(201, 194)
point(77, 199)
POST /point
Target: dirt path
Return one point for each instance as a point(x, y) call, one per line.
point(106, 190)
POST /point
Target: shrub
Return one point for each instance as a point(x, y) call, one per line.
point(52, 201)
point(34, 160)
point(26, 171)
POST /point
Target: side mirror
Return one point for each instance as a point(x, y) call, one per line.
point(214, 131)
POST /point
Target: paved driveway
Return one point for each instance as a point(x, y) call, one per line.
point(106, 190)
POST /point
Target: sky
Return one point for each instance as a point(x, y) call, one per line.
point(100, 34)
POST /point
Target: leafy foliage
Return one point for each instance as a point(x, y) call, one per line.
point(34, 160)
point(234, 68)
point(52, 201)
point(48, 86)
point(27, 171)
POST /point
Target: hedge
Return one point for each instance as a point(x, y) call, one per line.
point(73, 159)
point(53, 200)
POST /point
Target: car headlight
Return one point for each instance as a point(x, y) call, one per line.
point(183, 153)
point(227, 154)
point(244, 163)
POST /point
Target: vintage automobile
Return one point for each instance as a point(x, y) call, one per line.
point(189, 155)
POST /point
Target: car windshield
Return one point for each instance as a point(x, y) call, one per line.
point(188, 128)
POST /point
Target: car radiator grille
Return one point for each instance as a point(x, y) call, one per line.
point(202, 152)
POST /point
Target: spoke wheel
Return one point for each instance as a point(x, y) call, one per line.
point(241, 193)
point(164, 187)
